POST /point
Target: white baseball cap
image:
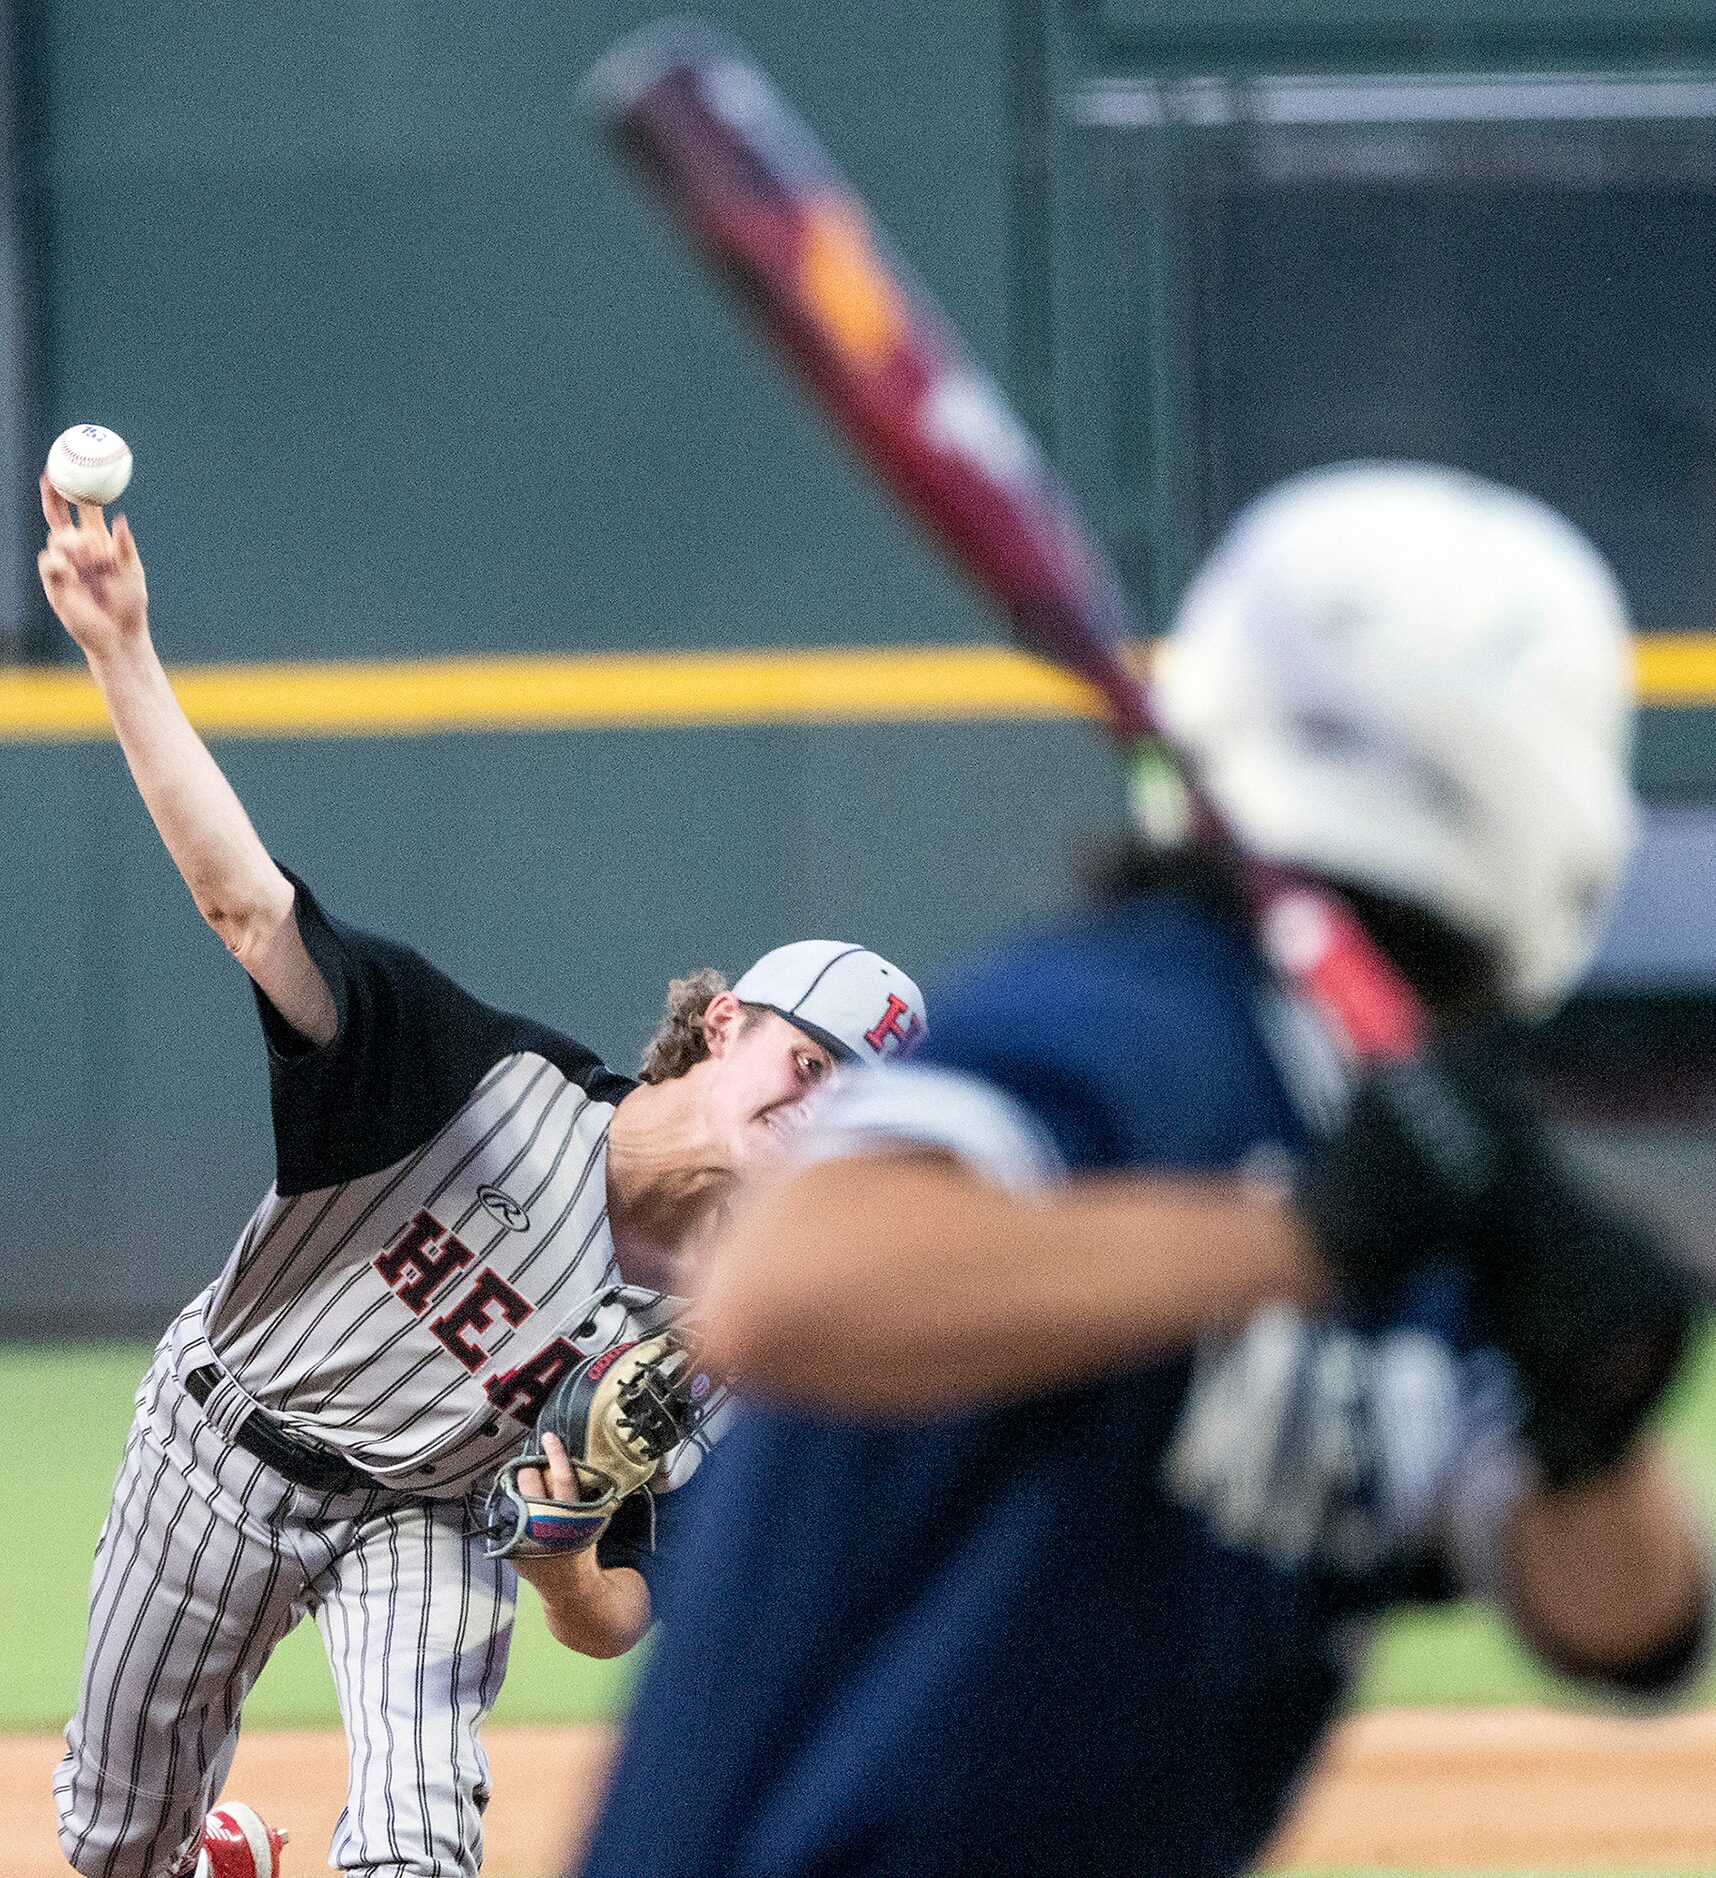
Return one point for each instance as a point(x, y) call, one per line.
point(1418, 681)
point(850, 999)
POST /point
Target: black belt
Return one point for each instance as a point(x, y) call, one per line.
point(260, 1435)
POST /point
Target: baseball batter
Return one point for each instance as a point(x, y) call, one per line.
point(467, 1206)
point(1086, 1599)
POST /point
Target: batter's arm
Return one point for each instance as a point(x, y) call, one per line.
point(94, 581)
point(902, 1282)
point(1609, 1581)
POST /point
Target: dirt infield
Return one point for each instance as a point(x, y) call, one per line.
point(1423, 1790)
point(1460, 1790)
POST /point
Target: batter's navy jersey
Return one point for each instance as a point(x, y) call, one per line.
point(1103, 1627)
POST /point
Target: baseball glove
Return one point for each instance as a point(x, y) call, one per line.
point(618, 1415)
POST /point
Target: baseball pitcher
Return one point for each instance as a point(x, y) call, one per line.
point(470, 1213)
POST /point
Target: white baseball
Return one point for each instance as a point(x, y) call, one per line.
point(89, 463)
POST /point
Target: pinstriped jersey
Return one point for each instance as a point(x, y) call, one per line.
point(435, 1252)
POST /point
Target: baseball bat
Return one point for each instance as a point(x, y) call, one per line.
point(754, 190)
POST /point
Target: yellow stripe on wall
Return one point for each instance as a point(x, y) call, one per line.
point(1676, 668)
point(622, 691)
point(636, 691)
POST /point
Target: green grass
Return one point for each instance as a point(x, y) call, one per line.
point(63, 1415)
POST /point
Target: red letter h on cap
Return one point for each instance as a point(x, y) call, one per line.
point(889, 1025)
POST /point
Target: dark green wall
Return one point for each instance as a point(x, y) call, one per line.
point(1240, 33)
point(407, 367)
point(1267, 256)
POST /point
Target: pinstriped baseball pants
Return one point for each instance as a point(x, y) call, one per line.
point(207, 1559)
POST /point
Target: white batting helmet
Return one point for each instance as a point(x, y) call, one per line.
point(1420, 682)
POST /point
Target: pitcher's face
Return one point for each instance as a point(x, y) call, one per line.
point(762, 1074)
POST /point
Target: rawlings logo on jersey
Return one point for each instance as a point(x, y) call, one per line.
point(503, 1207)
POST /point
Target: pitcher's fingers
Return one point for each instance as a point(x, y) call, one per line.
point(89, 516)
point(90, 553)
point(55, 508)
point(560, 1475)
point(57, 559)
point(124, 540)
point(532, 1485)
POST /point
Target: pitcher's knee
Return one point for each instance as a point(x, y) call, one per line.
point(123, 1834)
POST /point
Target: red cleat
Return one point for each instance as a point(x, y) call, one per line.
point(236, 1844)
